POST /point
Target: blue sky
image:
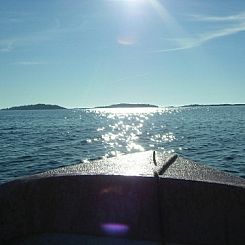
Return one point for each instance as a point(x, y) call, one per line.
point(88, 53)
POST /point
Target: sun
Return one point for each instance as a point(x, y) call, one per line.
point(135, 2)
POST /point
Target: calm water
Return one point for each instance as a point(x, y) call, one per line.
point(35, 141)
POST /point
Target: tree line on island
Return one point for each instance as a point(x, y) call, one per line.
point(36, 107)
point(127, 105)
point(121, 105)
point(55, 107)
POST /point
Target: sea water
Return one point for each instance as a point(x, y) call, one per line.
point(36, 141)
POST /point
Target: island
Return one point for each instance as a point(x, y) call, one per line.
point(207, 105)
point(127, 105)
point(36, 107)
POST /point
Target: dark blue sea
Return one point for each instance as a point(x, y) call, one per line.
point(35, 141)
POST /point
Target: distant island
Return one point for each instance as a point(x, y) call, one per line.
point(126, 105)
point(196, 105)
point(36, 107)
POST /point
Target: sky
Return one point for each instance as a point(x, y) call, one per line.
point(85, 53)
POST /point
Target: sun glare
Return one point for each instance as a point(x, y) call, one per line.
point(134, 3)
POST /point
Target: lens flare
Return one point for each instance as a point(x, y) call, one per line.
point(115, 229)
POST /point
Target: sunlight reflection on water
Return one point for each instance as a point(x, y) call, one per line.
point(35, 141)
point(125, 127)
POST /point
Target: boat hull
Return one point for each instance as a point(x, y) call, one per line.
point(183, 205)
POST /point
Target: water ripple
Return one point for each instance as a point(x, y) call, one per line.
point(34, 141)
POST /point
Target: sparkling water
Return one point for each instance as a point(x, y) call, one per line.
point(35, 141)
